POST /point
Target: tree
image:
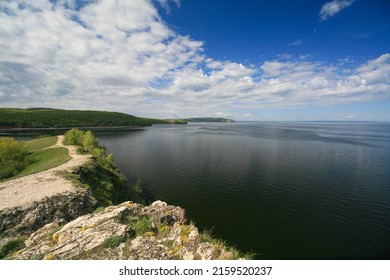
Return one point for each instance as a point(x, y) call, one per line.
point(89, 142)
point(13, 157)
point(74, 137)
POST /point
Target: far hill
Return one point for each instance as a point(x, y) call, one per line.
point(209, 120)
point(58, 118)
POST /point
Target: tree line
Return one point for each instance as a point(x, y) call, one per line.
point(57, 118)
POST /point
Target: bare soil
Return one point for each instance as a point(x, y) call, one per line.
point(35, 187)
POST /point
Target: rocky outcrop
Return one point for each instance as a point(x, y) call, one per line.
point(126, 231)
point(25, 219)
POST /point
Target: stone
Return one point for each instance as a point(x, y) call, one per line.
point(65, 206)
point(110, 234)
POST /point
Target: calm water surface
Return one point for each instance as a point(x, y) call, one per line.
point(312, 190)
point(283, 190)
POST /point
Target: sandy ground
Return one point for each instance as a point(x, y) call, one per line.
point(35, 187)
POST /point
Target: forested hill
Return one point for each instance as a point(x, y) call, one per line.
point(47, 118)
point(209, 120)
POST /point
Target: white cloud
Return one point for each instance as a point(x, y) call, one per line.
point(166, 6)
point(351, 117)
point(120, 56)
point(295, 43)
point(192, 81)
point(329, 9)
point(222, 115)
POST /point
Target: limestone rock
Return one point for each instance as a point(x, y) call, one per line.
point(126, 231)
point(58, 208)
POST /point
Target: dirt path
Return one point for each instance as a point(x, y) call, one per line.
point(36, 186)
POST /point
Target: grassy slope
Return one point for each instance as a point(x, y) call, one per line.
point(44, 160)
point(40, 158)
point(40, 143)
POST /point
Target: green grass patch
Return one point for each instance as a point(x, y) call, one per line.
point(142, 226)
point(218, 244)
point(40, 143)
point(113, 241)
point(44, 160)
point(53, 231)
point(11, 247)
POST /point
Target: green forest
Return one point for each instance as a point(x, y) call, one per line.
point(57, 118)
point(209, 120)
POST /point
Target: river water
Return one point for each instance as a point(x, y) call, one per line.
point(283, 190)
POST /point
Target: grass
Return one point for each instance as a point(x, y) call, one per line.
point(11, 247)
point(40, 143)
point(113, 241)
point(40, 158)
point(218, 244)
point(142, 226)
point(44, 160)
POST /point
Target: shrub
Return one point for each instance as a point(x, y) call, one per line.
point(107, 183)
point(89, 141)
point(74, 137)
point(13, 157)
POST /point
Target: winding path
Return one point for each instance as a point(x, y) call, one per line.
point(35, 187)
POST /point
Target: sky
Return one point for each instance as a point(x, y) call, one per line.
point(260, 60)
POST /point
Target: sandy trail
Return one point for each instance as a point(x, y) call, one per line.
point(36, 186)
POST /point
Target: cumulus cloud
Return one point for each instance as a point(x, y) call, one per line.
point(330, 9)
point(120, 56)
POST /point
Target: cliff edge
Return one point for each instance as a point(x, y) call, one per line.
point(128, 231)
point(53, 214)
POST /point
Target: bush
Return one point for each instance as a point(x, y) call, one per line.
point(74, 137)
point(107, 183)
point(89, 142)
point(13, 157)
point(86, 140)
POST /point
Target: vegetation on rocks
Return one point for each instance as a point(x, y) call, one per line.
point(126, 231)
point(11, 247)
point(108, 185)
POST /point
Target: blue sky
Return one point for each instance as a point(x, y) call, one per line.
point(246, 60)
point(254, 30)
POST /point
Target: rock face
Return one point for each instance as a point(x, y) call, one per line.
point(58, 208)
point(126, 231)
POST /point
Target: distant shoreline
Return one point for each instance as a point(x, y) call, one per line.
point(67, 128)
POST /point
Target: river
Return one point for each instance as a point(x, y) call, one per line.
point(283, 190)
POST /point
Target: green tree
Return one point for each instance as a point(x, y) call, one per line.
point(13, 157)
point(89, 142)
point(74, 137)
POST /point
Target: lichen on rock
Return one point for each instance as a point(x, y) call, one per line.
point(112, 234)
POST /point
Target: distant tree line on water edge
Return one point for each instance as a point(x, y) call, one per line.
point(57, 118)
